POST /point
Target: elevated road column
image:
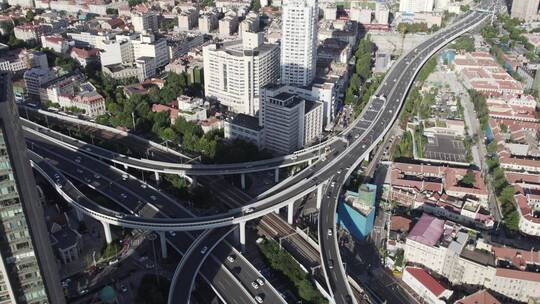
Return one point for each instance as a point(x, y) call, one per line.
point(319, 196)
point(80, 215)
point(242, 235)
point(243, 181)
point(276, 175)
point(156, 174)
point(107, 229)
point(290, 213)
point(163, 241)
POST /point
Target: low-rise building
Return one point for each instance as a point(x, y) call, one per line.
point(480, 297)
point(27, 32)
point(84, 56)
point(67, 242)
point(246, 128)
point(189, 108)
point(84, 98)
point(56, 43)
point(423, 284)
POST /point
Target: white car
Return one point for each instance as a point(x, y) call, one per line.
point(249, 210)
point(329, 232)
point(204, 249)
point(260, 281)
point(258, 299)
point(123, 195)
point(231, 258)
point(172, 233)
point(255, 285)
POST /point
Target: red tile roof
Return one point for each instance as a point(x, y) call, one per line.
point(479, 297)
point(427, 280)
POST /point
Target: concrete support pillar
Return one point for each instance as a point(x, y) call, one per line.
point(367, 157)
point(193, 182)
point(163, 241)
point(319, 196)
point(290, 213)
point(107, 229)
point(242, 235)
point(309, 162)
point(80, 215)
point(276, 211)
point(156, 174)
point(243, 181)
point(276, 175)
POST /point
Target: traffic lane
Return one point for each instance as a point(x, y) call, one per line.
point(182, 288)
point(246, 274)
point(103, 170)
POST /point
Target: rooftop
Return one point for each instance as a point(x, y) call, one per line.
point(428, 230)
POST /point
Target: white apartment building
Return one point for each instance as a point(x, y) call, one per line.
point(382, 13)
point(55, 43)
point(188, 19)
point(145, 68)
point(249, 24)
point(416, 6)
point(234, 71)
point(34, 78)
point(22, 59)
point(289, 122)
point(148, 46)
point(208, 22)
point(117, 51)
point(126, 49)
point(85, 98)
point(87, 39)
point(299, 42)
point(21, 3)
point(144, 21)
point(27, 32)
point(228, 25)
point(524, 9)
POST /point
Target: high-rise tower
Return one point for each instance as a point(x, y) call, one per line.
point(299, 42)
point(28, 271)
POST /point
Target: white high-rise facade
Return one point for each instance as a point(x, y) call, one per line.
point(299, 42)
point(524, 9)
point(234, 71)
point(416, 6)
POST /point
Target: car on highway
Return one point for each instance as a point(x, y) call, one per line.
point(330, 232)
point(259, 299)
point(172, 233)
point(231, 258)
point(254, 285)
point(260, 281)
point(125, 176)
point(204, 249)
point(331, 264)
point(143, 186)
point(332, 184)
point(149, 265)
point(249, 210)
point(123, 195)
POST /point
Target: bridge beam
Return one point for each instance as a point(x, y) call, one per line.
point(290, 213)
point(107, 230)
point(276, 175)
point(243, 181)
point(319, 196)
point(163, 241)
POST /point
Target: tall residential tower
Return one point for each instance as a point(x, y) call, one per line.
point(234, 71)
point(299, 42)
point(28, 272)
point(524, 9)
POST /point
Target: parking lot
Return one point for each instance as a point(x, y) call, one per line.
point(445, 148)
